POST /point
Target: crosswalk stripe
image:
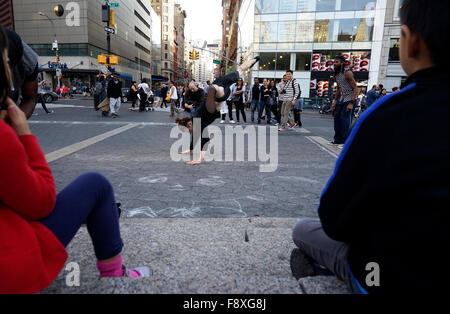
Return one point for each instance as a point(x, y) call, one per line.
point(51, 157)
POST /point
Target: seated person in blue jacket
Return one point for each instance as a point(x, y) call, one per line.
point(384, 212)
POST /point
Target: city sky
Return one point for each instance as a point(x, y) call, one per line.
point(204, 19)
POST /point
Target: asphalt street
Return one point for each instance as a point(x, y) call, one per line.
point(133, 152)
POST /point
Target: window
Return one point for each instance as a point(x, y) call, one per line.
point(265, 6)
point(346, 29)
point(305, 31)
point(166, 9)
point(166, 18)
point(286, 31)
point(268, 32)
point(166, 65)
point(283, 61)
point(166, 37)
point(397, 7)
point(357, 5)
point(166, 46)
point(166, 56)
point(268, 61)
point(166, 28)
point(287, 6)
point(303, 61)
point(305, 6)
point(326, 5)
point(323, 31)
point(394, 50)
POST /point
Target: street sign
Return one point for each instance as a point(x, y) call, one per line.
point(216, 62)
point(110, 30)
point(114, 5)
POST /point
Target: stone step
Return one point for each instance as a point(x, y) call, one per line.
point(196, 256)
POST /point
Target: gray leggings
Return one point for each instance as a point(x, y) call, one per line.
point(311, 239)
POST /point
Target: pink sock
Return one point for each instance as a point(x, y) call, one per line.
point(112, 269)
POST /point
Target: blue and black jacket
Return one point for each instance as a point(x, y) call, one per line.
point(388, 196)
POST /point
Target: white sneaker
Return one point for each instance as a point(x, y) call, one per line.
point(222, 122)
point(232, 122)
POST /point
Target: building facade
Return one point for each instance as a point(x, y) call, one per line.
point(81, 37)
point(166, 11)
point(391, 71)
point(306, 35)
point(180, 75)
point(230, 34)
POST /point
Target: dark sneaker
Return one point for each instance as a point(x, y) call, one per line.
point(301, 265)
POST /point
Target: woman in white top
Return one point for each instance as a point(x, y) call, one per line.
point(173, 98)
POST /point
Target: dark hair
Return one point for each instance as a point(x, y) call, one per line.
point(5, 71)
point(183, 121)
point(290, 71)
point(429, 19)
point(395, 89)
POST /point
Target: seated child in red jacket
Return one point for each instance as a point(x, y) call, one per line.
point(36, 224)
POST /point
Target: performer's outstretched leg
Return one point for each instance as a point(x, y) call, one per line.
point(219, 91)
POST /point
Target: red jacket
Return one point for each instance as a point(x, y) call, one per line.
point(31, 256)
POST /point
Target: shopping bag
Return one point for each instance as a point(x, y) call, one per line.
point(104, 106)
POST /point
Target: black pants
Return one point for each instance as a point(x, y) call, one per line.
point(142, 102)
point(297, 117)
point(40, 99)
point(276, 110)
point(230, 111)
point(240, 109)
point(96, 101)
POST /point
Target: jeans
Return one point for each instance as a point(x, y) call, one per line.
point(254, 106)
point(89, 199)
point(342, 122)
point(265, 104)
point(311, 239)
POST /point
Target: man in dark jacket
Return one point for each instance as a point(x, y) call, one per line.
point(115, 95)
point(383, 225)
point(194, 97)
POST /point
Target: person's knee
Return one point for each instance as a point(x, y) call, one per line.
point(302, 230)
point(96, 180)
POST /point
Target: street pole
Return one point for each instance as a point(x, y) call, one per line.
point(56, 48)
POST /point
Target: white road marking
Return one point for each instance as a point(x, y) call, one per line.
point(51, 157)
point(325, 145)
point(103, 123)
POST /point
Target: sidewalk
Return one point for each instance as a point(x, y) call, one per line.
point(199, 256)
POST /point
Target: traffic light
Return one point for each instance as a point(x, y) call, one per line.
point(57, 58)
point(191, 55)
point(106, 13)
point(197, 55)
point(242, 60)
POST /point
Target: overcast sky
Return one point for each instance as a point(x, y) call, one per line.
point(204, 19)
